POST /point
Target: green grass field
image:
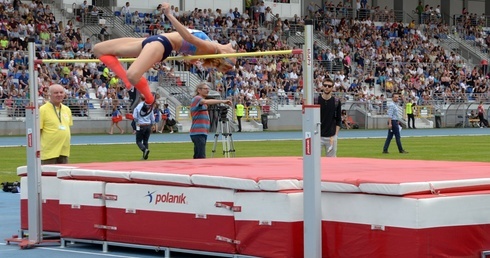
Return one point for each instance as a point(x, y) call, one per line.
point(455, 148)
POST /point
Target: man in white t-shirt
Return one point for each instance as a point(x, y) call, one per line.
point(126, 10)
point(101, 92)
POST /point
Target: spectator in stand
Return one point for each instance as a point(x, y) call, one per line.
point(158, 11)
point(101, 92)
point(23, 81)
point(4, 43)
point(245, 15)
point(104, 34)
point(176, 12)
point(230, 14)
point(126, 12)
point(236, 13)
point(484, 66)
point(83, 7)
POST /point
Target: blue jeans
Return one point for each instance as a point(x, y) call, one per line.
point(395, 130)
point(199, 141)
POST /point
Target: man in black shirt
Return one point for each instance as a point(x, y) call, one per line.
point(104, 34)
point(330, 118)
point(78, 35)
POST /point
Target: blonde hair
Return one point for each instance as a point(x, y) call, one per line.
point(226, 63)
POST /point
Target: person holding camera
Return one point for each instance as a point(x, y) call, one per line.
point(200, 119)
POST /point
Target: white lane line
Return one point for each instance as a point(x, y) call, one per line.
point(83, 252)
point(74, 251)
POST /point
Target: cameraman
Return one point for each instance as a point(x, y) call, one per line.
point(200, 119)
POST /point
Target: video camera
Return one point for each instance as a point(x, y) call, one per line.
point(223, 111)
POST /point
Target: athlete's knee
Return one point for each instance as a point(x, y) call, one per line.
point(134, 76)
point(98, 50)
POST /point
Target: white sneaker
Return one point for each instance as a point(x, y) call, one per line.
point(172, 132)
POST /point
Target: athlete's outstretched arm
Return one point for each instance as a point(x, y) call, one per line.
point(202, 45)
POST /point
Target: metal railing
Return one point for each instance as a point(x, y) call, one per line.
point(15, 107)
point(452, 113)
point(176, 86)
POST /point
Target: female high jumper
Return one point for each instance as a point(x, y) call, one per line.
point(157, 48)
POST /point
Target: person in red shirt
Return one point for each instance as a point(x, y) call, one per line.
point(484, 66)
point(481, 115)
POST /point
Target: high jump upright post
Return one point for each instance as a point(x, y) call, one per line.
point(33, 154)
point(311, 155)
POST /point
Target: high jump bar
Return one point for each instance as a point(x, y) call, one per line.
point(128, 60)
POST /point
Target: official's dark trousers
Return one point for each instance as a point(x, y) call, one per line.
point(411, 117)
point(239, 119)
point(395, 131)
point(142, 137)
point(438, 121)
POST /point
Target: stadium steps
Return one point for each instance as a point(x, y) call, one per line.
point(62, 15)
point(472, 56)
point(121, 29)
point(3, 114)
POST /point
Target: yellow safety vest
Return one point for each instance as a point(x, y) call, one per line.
point(240, 110)
point(408, 108)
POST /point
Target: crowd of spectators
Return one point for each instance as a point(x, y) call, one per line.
point(54, 40)
point(401, 58)
point(471, 27)
point(356, 53)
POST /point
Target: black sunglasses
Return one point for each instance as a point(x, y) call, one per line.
point(328, 85)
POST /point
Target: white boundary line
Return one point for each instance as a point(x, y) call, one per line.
point(264, 140)
point(77, 252)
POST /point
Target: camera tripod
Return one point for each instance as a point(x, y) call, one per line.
point(223, 128)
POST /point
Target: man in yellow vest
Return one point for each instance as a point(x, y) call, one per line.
point(105, 75)
point(113, 82)
point(409, 108)
point(240, 111)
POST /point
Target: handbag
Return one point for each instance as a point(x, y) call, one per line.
point(117, 118)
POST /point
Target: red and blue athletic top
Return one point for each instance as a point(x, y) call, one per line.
point(188, 48)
